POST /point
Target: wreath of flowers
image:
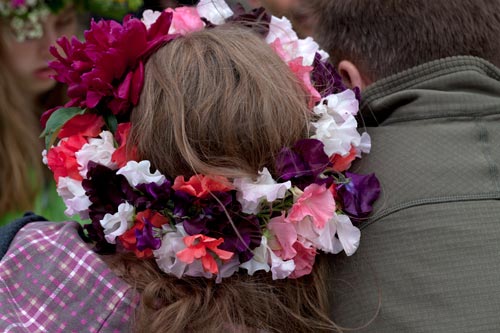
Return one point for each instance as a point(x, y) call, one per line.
point(206, 226)
point(25, 17)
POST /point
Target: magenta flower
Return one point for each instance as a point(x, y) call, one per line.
point(105, 71)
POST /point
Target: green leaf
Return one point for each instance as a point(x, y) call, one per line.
point(56, 122)
point(111, 122)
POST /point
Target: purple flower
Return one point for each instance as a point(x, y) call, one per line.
point(106, 190)
point(241, 233)
point(257, 19)
point(359, 194)
point(146, 238)
point(303, 162)
point(155, 196)
point(325, 78)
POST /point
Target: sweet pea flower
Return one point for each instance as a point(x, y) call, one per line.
point(74, 197)
point(139, 173)
point(317, 202)
point(149, 17)
point(280, 268)
point(201, 186)
point(171, 243)
point(185, 20)
point(343, 104)
point(196, 248)
point(96, 150)
point(260, 259)
point(251, 193)
point(348, 234)
point(365, 145)
point(337, 137)
point(304, 260)
point(62, 160)
point(116, 224)
point(285, 236)
point(215, 11)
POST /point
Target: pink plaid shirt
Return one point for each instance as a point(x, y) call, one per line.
point(51, 281)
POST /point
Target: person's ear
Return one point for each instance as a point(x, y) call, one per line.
point(351, 75)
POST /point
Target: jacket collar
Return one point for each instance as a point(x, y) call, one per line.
point(455, 86)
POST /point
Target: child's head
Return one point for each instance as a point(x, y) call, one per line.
point(218, 101)
point(383, 37)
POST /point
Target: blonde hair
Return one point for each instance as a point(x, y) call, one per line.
point(220, 101)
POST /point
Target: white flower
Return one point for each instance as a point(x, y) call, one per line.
point(139, 173)
point(281, 268)
point(324, 238)
point(259, 260)
point(116, 224)
point(348, 234)
point(96, 150)
point(73, 195)
point(365, 145)
point(344, 104)
point(166, 256)
point(216, 11)
point(149, 17)
point(281, 29)
point(338, 137)
point(250, 193)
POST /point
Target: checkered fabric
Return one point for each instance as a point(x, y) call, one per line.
point(51, 281)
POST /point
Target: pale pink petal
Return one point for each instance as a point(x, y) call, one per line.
point(286, 236)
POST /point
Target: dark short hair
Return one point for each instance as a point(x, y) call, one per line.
point(384, 37)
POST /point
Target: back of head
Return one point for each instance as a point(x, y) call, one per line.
point(218, 101)
point(383, 37)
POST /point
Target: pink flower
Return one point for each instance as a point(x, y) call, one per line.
point(317, 202)
point(62, 160)
point(185, 20)
point(304, 260)
point(286, 236)
point(201, 186)
point(197, 248)
point(303, 73)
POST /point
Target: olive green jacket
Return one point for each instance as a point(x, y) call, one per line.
point(430, 253)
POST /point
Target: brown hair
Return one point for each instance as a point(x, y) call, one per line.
point(383, 37)
point(217, 102)
point(220, 101)
point(21, 170)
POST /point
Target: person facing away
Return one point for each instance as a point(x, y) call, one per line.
point(208, 198)
point(430, 98)
point(26, 90)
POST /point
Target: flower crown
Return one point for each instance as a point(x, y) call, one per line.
point(206, 226)
point(25, 17)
